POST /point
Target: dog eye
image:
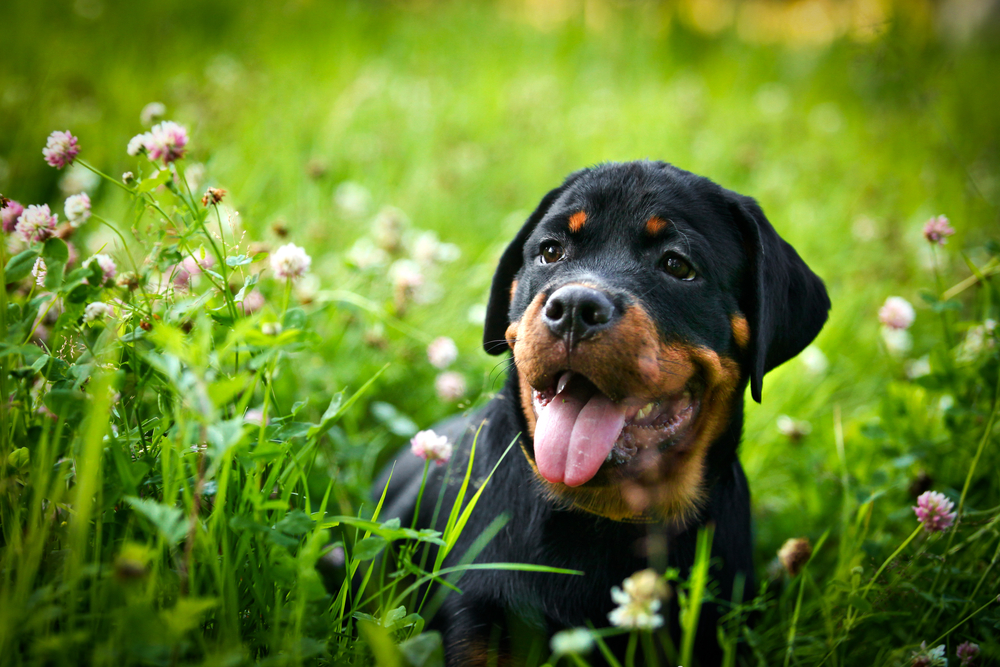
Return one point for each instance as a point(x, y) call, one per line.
point(678, 267)
point(551, 252)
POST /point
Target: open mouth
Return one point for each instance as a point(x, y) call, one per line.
point(579, 429)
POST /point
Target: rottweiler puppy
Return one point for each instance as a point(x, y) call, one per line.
point(637, 302)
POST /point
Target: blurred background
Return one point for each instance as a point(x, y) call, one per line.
point(330, 123)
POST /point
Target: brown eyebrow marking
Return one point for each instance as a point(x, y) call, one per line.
point(654, 225)
point(741, 330)
point(577, 220)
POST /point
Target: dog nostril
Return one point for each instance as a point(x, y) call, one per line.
point(554, 310)
point(593, 314)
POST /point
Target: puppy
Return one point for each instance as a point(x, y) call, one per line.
point(637, 301)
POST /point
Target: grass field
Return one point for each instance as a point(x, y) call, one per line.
point(180, 532)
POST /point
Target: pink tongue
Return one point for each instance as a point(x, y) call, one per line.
point(575, 433)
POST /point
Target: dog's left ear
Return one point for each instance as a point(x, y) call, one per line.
point(498, 309)
point(786, 304)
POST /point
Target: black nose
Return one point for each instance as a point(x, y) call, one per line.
point(575, 312)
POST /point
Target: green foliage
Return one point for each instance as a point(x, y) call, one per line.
point(175, 464)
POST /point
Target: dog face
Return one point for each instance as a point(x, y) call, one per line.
point(638, 300)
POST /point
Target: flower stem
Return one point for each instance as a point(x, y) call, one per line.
point(959, 624)
point(891, 558)
point(106, 177)
point(420, 494)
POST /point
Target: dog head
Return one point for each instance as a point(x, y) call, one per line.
point(638, 300)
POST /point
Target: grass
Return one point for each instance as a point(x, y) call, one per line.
point(177, 531)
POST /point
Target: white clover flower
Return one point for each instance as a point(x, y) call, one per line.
point(577, 641)
point(77, 209)
point(290, 261)
point(450, 386)
point(353, 199)
point(364, 254)
point(98, 311)
point(138, 143)
point(814, 360)
point(442, 352)
point(430, 446)
point(406, 275)
point(39, 271)
point(977, 340)
point(897, 341)
point(388, 227)
point(106, 264)
point(78, 179)
point(36, 223)
point(152, 112)
point(638, 601)
point(897, 313)
point(918, 368)
point(794, 429)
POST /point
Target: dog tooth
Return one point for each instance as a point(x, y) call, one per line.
point(645, 411)
point(563, 381)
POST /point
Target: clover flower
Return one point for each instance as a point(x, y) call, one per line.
point(37, 223)
point(967, 652)
point(290, 261)
point(252, 302)
point(152, 112)
point(442, 352)
point(926, 657)
point(39, 271)
point(166, 142)
point(450, 386)
point(194, 263)
point(61, 149)
point(353, 199)
point(934, 510)
point(388, 228)
point(9, 215)
point(138, 144)
point(78, 179)
point(77, 209)
point(639, 600)
point(97, 311)
point(897, 313)
point(106, 264)
point(793, 429)
point(937, 230)
point(430, 446)
point(577, 641)
point(213, 196)
point(794, 554)
point(254, 416)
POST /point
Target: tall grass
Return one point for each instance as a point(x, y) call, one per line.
point(170, 476)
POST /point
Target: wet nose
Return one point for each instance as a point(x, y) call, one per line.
point(575, 312)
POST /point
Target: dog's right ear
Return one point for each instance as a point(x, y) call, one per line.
point(498, 310)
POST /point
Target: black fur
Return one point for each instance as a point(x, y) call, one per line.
point(746, 268)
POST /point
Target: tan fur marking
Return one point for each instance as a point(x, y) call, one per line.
point(654, 225)
point(513, 289)
point(741, 330)
point(577, 221)
point(629, 360)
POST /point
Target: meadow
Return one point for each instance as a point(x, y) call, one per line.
point(175, 461)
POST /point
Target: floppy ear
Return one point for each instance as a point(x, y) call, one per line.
point(786, 303)
point(498, 309)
